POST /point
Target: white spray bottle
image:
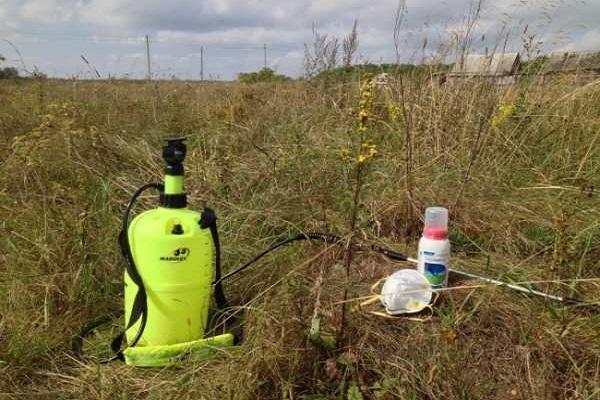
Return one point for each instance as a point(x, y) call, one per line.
point(434, 247)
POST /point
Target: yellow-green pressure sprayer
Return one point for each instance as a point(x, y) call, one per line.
point(172, 257)
point(168, 282)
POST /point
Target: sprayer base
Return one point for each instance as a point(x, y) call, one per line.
point(161, 356)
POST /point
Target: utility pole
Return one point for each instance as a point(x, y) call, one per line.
point(149, 73)
point(202, 63)
point(265, 52)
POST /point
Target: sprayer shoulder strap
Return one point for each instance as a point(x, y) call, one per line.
point(139, 310)
point(209, 220)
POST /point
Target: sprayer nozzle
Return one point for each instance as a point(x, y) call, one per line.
point(174, 154)
point(175, 140)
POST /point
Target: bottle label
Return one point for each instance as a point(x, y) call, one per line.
point(435, 273)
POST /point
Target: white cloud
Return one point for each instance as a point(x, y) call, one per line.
point(589, 40)
point(112, 14)
point(233, 31)
point(236, 36)
point(48, 11)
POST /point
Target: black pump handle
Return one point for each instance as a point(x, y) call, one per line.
point(174, 153)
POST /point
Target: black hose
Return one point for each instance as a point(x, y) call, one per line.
point(389, 253)
point(317, 236)
point(324, 237)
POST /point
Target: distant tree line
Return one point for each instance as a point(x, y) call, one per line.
point(263, 75)
point(13, 73)
point(352, 72)
point(7, 72)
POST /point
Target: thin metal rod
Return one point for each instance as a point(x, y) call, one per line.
point(509, 285)
point(501, 283)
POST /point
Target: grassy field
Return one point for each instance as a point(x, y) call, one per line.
point(518, 167)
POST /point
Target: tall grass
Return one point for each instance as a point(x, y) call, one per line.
point(518, 167)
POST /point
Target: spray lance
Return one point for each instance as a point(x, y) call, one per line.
point(173, 268)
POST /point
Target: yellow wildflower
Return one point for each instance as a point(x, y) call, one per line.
point(367, 150)
point(344, 153)
point(365, 105)
point(94, 135)
point(504, 111)
point(393, 110)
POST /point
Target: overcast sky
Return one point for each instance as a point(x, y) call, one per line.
point(52, 34)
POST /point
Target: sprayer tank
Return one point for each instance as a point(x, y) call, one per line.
point(174, 259)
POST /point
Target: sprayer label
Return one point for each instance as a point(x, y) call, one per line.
point(178, 255)
point(435, 273)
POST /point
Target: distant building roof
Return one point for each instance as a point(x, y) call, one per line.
point(573, 61)
point(495, 64)
point(382, 79)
